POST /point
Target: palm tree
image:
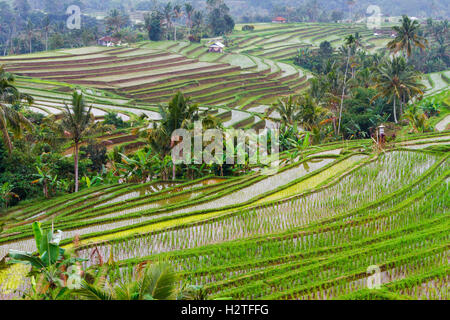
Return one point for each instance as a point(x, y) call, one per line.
point(46, 28)
point(76, 123)
point(154, 282)
point(115, 20)
point(418, 121)
point(9, 117)
point(310, 114)
point(177, 13)
point(349, 42)
point(396, 80)
point(407, 37)
point(178, 114)
point(197, 22)
point(288, 109)
point(29, 30)
point(168, 16)
point(364, 77)
point(189, 10)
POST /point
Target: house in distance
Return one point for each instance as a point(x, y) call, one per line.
point(279, 20)
point(216, 47)
point(108, 41)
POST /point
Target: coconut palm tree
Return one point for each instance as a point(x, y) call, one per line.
point(9, 117)
point(76, 123)
point(349, 42)
point(29, 30)
point(177, 13)
point(115, 20)
point(46, 27)
point(189, 11)
point(407, 37)
point(310, 114)
point(168, 16)
point(178, 114)
point(288, 109)
point(153, 282)
point(396, 80)
point(417, 120)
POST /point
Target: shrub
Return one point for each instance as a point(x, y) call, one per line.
point(248, 28)
point(113, 119)
point(194, 38)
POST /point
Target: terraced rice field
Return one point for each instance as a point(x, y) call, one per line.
point(255, 69)
point(147, 76)
point(310, 231)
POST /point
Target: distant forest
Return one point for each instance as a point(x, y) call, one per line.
point(36, 25)
point(240, 8)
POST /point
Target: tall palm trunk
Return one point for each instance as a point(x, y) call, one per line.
point(45, 189)
point(401, 108)
point(76, 166)
point(175, 32)
point(395, 111)
point(174, 169)
point(343, 91)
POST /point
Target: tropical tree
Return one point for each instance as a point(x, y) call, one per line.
point(310, 114)
point(177, 13)
point(349, 42)
point(178, 114)
point(29, 32)
point(138, 168)
point(417, 120)
point(168, 16)
point(288, 109)
point(196, 23)
point(44, 177)
point(397, 81)
point(151, 282)
point(189, 9)
point(46, 27)
point(115, 20)
point(6, 193)
point(49, 266)
point(9, 117)
point(407, 37)
point(76, 123)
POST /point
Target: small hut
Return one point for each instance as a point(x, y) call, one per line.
point(216, 47)
point(108, 41)
point(279, 20)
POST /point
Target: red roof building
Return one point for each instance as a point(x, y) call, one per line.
point(279, 20)
point(107, 41)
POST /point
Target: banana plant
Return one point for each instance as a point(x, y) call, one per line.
point(45, 178)
point(299, 148)
point(6, 193)
point(49, 263)
point(95, 181)
point(151, 282)
point(138, 168)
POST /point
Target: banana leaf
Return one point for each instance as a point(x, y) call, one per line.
point(25, 258)
point(37, 231)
